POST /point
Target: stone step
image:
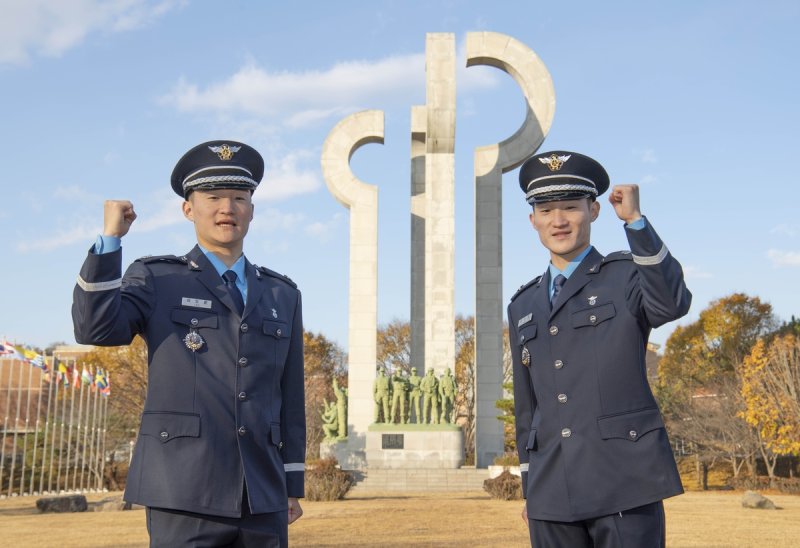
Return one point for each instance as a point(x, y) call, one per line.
point(462, 479)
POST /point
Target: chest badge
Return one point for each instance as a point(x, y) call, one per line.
point(526, 356)
point(193, 341)
point(274, 313)
point(592, 300)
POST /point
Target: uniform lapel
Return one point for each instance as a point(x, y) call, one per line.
point(256, 286)
point(541, 298)
point(208, 276)
point(589, 266)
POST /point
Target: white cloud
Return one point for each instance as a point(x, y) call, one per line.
point(84, 232)
point(49, 28)
point(298, 99)
point(785, 230)
point(272, 220)
point(283, 178)
point(696, 273)
point(322, 231)
point(74, 193)
point(169, 213)
point(783, 258)
point(648, 179)
point(646, 156)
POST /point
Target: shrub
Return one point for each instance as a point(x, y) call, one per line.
point(507, 459)
point(325, 481)
point(506, 486)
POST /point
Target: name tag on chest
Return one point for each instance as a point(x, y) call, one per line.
point(196, 303)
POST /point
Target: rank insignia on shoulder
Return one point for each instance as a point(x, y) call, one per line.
point(526, 356)
point(592, 300)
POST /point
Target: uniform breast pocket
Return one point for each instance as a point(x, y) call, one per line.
point(594, 315)
point(279, 333)
point(190, 323)
point(630, 426)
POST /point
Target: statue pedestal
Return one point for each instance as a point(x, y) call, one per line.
point(415, 446)
point(349, 458)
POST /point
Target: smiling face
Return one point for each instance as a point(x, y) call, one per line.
point(564, 227)
point(221, 218)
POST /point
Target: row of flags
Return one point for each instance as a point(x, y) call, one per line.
point(64, 373)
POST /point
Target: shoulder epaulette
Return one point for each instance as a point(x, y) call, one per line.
point(618, 256)
point(162, 259)
point(268, 272)
point(526, 286)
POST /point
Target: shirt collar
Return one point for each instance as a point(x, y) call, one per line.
point(221, 268)
point(573, 264)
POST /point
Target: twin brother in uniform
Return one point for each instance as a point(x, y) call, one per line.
point(595, 458)
point(219, 458)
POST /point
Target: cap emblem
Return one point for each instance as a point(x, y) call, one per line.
point(555, 162)
point(225, 152)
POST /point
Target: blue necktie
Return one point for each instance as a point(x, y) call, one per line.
point(230, 282)
point(558, 283)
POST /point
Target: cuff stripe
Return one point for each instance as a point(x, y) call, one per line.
point(653, 259)
point(294, 467)
point(523, 467)
point(99, 286)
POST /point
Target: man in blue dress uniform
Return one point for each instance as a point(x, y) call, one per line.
point(219, 459)
point(595, 459)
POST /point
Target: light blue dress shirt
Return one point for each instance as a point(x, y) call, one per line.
point(573, 264)
point(109, 244)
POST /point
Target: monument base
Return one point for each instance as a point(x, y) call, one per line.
point(348, 457)
point(397, 446)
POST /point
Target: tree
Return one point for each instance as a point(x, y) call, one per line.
point(394, 347)
point(324, 361)
point(465, 380)
point(699, 381)
point(771, 392)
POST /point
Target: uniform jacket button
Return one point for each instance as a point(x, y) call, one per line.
point(280, 445)
point(558, 364)
point(242, 430)
point(244, 328)
point(562, 398)
point(521, 339)
point(554, 330)
point(593, 318)
point(633, 434)
point(278, 332)
point(243, 361)
point(242, 396)
point(164, 435)
point(566, 432)
point(195, 321)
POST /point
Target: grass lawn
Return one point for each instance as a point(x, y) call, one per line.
point(714, 518)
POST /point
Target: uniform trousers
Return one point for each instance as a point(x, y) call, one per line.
point(178, 529)
point(641, 527)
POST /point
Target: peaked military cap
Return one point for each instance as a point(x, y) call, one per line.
point(218, 164)
point(561, 175)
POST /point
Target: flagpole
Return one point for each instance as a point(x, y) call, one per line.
point(27, 426)
point(86, 429)
point(99, 453)
point(55, 426)
point(16, 433)
point(36, 431)
point(5, 424)
point(61, 435)
point(69, 428)
point(105, 419)
point(89, 479)
point(46, 424)
point(78, 437)
point(3, 446)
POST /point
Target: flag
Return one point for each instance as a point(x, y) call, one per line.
point(100, 380)
point(8, 351)
point(86, 377)
point(76, 376)
point(33, 357)
point(106, 390)
point(63, 371)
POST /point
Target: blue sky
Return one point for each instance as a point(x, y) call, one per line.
point(697, 102)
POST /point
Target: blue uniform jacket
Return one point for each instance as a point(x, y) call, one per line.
point(590, 436)
point(230, 412)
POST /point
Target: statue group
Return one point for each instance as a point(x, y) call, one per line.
point(334, 415)
point(396, 396)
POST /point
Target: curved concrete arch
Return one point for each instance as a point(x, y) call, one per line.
point(490, 162)
point(361, 199)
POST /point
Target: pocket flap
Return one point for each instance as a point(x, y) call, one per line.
point(279, 330)
point(593, 315)
point(527, 333)
point(194, 318)
point(168, 426)
point(531, 445)
point(630, 426)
